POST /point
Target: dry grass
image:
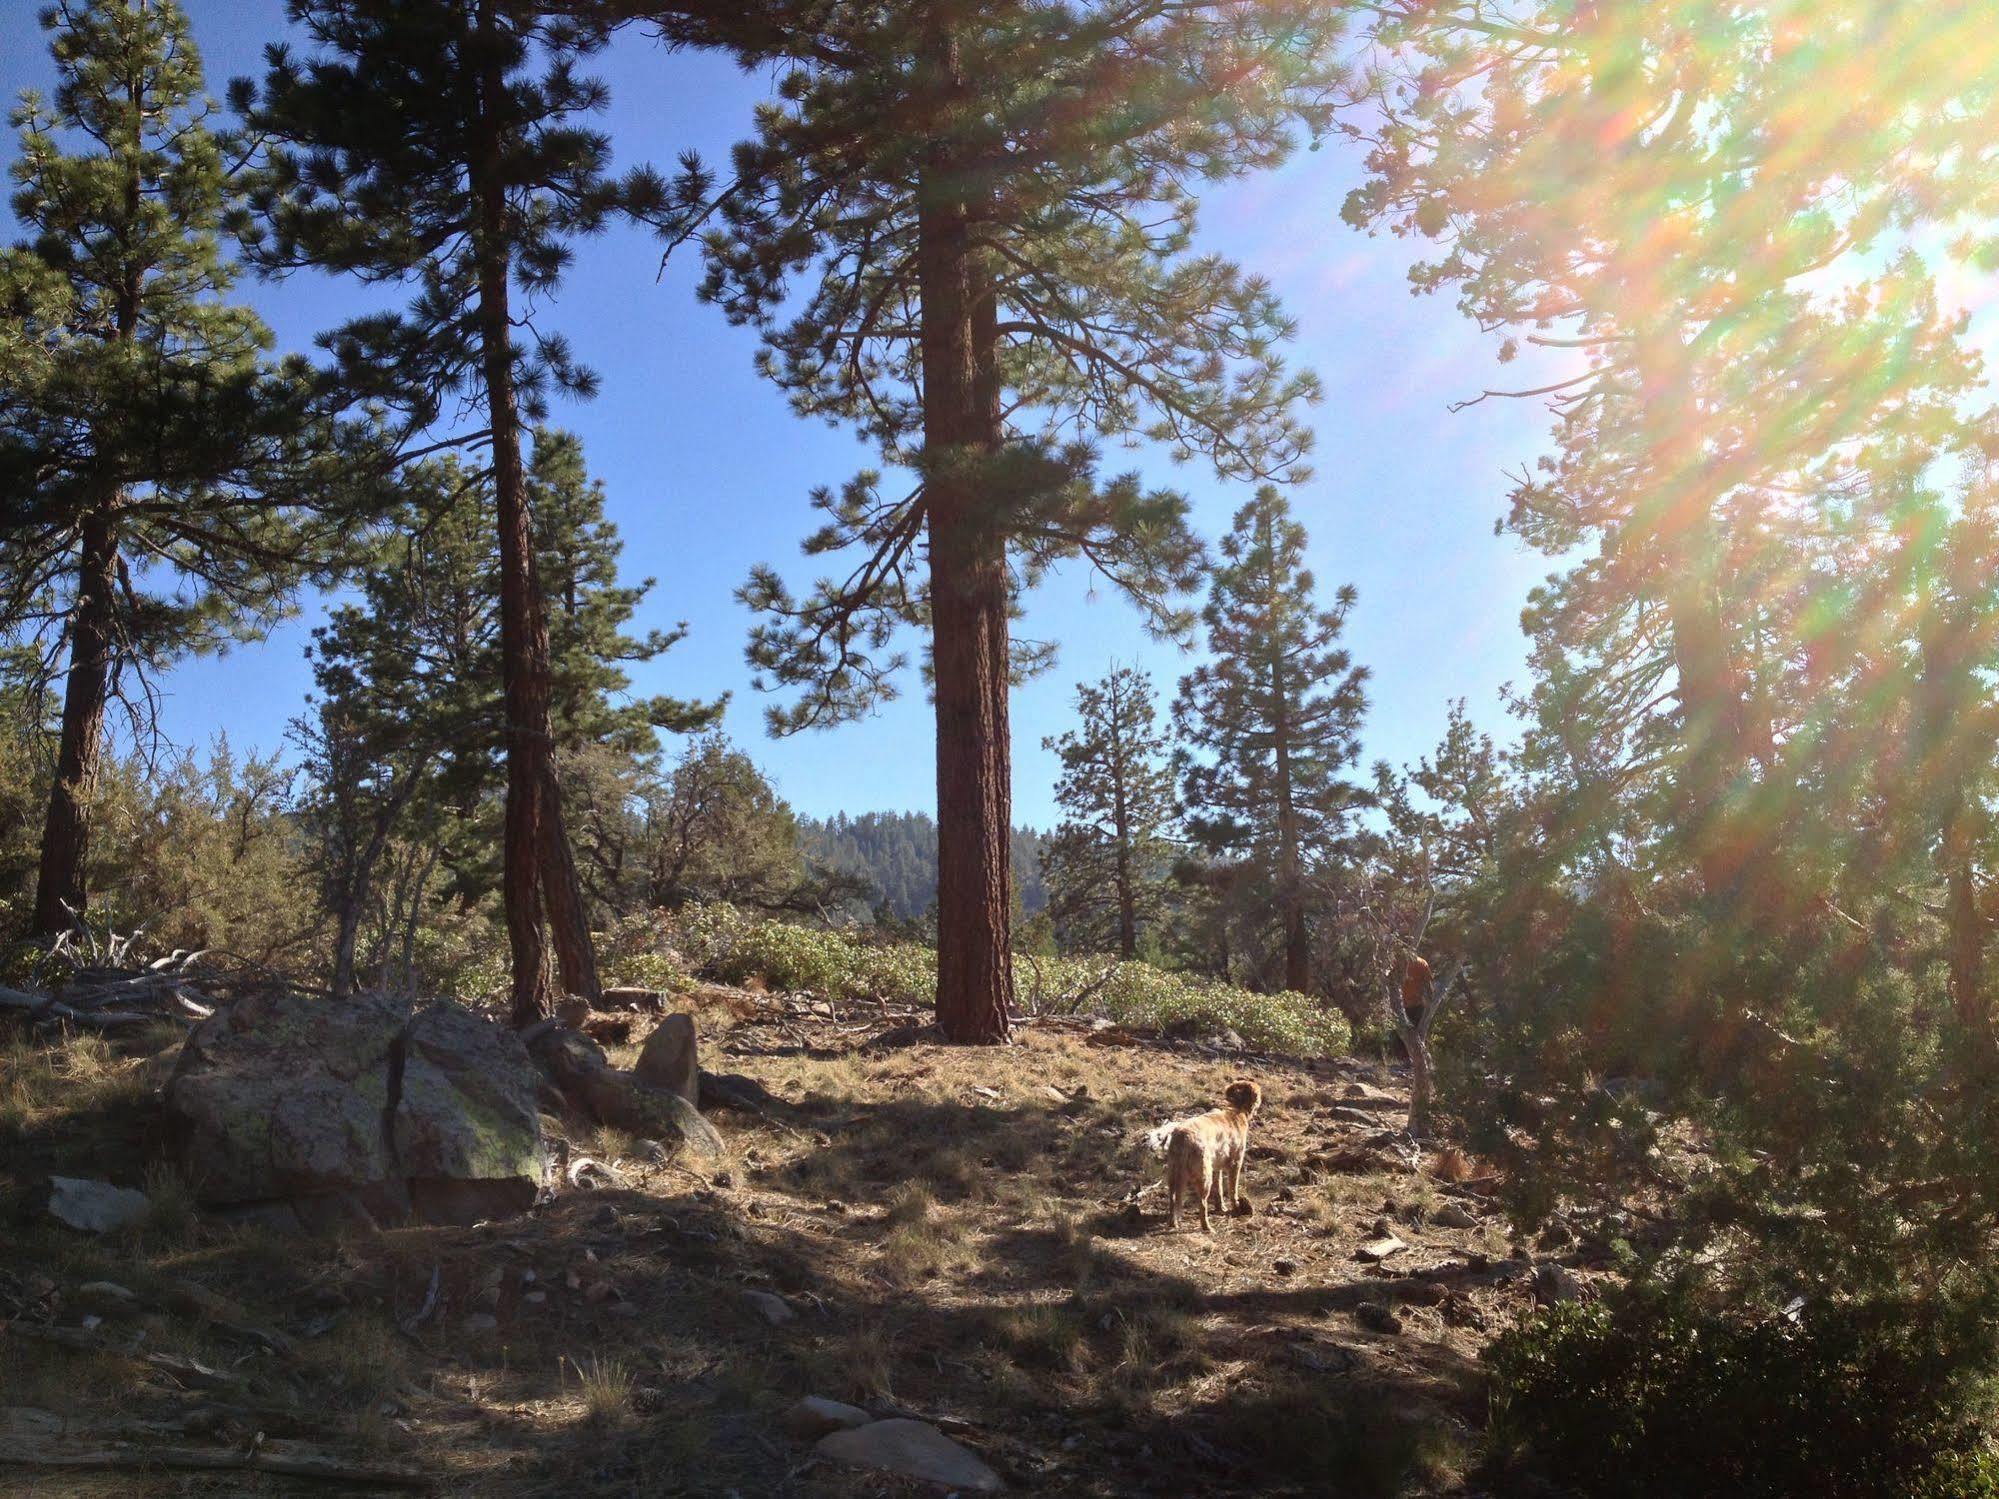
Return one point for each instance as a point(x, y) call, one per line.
point(954, 1237)
point(605, 1385)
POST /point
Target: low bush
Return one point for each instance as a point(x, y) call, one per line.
point(736, 946)
point(1654, 1394)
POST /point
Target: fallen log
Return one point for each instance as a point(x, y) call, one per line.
point(44, 1007)
point(291, 1459)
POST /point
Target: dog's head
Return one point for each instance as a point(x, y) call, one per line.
point(1243, 1095)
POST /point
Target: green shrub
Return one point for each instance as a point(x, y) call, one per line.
point(1654, 1394)
point(735, 946)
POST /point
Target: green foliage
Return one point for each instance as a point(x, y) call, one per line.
point(1271, 722)
point(1656, 1394)
point(735, 946)
point(895, 855)
point(718, 831)
point(1105, 860)
point(132, 394)
point(200, 852)
point(394, 194)
point(1076, 220)
point(168, 486)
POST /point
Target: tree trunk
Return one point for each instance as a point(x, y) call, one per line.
point(1290, 859)
point(968, 607)
point(1724, 734)
point(347, 931)
point(523, 617)
point(59, 885)
point(568, 916)
point(1127, 899)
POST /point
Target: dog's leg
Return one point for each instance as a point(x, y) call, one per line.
point(1237, 1201)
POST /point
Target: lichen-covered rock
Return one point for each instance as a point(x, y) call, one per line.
point(467, 1133)
point(364, 1105)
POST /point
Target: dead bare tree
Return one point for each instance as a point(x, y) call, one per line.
point(1415, 1036)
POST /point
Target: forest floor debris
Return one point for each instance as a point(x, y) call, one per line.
point(963, 1237)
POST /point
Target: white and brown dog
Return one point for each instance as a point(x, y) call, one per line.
point(1204, 1154)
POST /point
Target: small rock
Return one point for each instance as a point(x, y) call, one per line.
point(1374, 1251)
point(773, 1308)
point(1284, 1267)
point(1376, 1317)
point(1232, 1041)
point(815, 1416)
point(482, 1322)
point(1454, 1215)
point(534, 1298)
point(1286, 1194)
point(913, 1450)
point(1557, 1235)
point(1554, 1283)
point(95, 1207)
point(106, 1295)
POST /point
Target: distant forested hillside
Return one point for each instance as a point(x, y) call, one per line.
point(897, 853)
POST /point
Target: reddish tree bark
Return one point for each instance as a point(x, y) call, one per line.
point(59, 885)
point(968, 606)
point(524, 647)
point(562, 890)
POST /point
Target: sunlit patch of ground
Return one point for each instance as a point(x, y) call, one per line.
point(953, 1230)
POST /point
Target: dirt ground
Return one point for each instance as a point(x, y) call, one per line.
point(971, 1237)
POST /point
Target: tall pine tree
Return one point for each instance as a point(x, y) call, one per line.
point(995, 203)
point(409, 734)
point(155, 464)
point(442, 146)
point(1105, 860)
point(1272, 722)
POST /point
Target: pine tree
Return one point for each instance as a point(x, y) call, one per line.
point(155, 463)
point(1277, 715)
point(1753, 368)
point(409, 732)
point(995, 203)
point(441, 146)
point(1105, 859)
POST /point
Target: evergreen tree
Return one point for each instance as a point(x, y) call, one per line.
point(409, 734)
point(1755, 369)
point(442, 146)
point(996, 203)
point(1104, 860)
point(1277, 714)
point(894, 854)
point(155, 463)
point(718, 830)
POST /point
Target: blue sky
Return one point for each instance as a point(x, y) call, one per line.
point(707, 471)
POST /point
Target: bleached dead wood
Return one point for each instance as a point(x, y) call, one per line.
point(46, 1007)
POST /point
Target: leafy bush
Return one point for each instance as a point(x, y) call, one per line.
point(1655, 1394)
point(735, 946)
